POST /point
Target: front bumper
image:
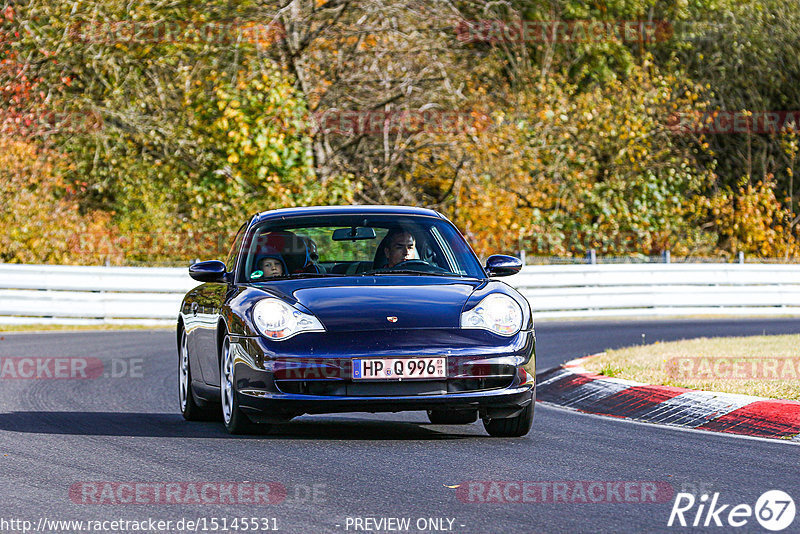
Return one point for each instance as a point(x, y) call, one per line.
point(496, 403)
point(497, 379)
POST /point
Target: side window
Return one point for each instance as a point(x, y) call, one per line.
point(230, 263)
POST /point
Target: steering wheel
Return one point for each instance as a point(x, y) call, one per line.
point(421, 266)
point(406, 264)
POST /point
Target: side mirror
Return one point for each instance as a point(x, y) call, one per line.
point(209, 271)
point(499, 265)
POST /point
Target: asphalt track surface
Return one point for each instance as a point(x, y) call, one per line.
point(58, 433)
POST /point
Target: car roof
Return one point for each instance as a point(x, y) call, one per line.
point(345, 210)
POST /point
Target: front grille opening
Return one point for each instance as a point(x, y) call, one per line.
point(341, 388)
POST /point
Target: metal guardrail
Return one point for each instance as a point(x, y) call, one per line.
point(40, 294)
point(660, 289)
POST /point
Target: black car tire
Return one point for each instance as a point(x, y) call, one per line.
point(234, 420)
point(511, 427)
point(190, 409)
point(450, 417)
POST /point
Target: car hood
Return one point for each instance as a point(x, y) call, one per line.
point(381, 302)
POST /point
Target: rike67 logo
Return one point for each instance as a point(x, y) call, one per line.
point(774, 510)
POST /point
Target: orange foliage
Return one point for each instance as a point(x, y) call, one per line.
point(42, 222)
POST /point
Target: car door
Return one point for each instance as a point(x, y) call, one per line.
point(210, 298)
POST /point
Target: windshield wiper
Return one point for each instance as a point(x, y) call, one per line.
point(294, 276)
point(409, 271)
point(310, 275)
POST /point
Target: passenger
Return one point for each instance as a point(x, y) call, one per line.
point(272, 266)
point(269, 267)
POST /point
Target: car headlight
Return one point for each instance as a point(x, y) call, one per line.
point(277, 320)
point(497, 312)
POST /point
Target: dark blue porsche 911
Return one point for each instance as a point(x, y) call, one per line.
point(356, 309)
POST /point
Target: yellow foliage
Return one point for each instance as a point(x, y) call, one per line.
point(752, 220)
point(41, 220)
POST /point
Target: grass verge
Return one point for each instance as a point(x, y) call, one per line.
point(764, 366)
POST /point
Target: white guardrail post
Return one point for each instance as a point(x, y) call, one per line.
point(40, 294)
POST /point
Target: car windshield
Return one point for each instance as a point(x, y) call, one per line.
point(356, 245)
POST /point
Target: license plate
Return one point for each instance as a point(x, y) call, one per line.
point(399, 368)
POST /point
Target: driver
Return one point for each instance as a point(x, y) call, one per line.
point(400, 246)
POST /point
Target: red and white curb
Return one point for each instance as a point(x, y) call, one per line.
point(572, 386)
